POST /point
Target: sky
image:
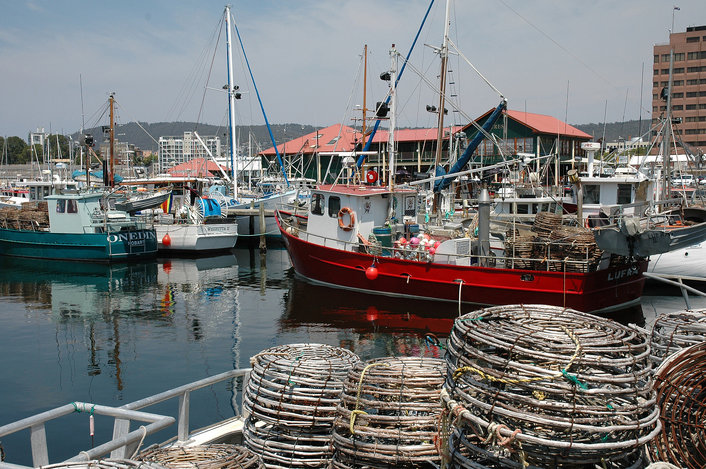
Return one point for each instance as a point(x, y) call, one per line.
point(581, 62)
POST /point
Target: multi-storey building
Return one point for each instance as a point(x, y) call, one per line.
point(688, 85)
point(177, 150)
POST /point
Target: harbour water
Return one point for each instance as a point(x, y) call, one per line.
point(114, 334)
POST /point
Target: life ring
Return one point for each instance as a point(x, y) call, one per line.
point(351, 216)
point(371, 177)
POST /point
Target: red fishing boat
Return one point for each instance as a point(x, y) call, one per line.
point(365, 239)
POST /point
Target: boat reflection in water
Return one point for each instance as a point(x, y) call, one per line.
point(370, 325)
point(408, 327)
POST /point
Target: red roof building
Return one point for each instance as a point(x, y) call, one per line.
point(198, 167)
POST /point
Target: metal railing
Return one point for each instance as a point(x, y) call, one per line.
point(124, 442)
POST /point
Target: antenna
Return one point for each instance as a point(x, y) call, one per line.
point(83, 116)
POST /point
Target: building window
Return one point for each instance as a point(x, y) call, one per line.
point(692, 94)
point(665, 71)
point(665, 57)
point(656, 58)
point(691, 107)
point(679, 56)
point(678, 82)
point(679, 70)
point(692, 39)
point(677, 107)
point(678, 95)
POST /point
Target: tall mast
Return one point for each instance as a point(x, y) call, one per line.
point(233, 144)
point(365, 84)
point(111, 179)
point(444, 54)
point(667, 132)
point(393, 111)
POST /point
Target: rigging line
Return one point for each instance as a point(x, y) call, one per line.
point(457, 108)
point(487, 82)
point(262, 107)
point(399, 75)
point(208, 77)
point(575, 57)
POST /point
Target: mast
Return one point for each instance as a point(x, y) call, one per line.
point(233, 144)
point(365, 84)
point(111, 177)
point(444, 54)
point(666, 150)
point(393, 111)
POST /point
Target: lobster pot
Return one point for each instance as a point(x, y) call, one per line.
point(389, 413)
point(672, 332)
point(518, 250)
point(291, 400)
point(680, 382)
point(547, 385)
point(105, 464)
point(545, 223)
point(216, 456)
point(574, 249)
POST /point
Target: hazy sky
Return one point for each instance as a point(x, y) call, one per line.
point(574, 60)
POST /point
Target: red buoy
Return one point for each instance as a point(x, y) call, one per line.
point(371, 176)
point(166, 240)
point(371, 272)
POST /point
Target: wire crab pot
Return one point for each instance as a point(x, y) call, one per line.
point(104, 464)
point(291, 401)
point(215, 456)
point(389, 413)
point(680, 382)
point(672, 332)
point(548, 386)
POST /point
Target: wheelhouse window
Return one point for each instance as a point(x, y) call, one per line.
point(591, 194)
point(317, 204)
point(71, 206)
point(410, 204)
point(334, 206)
point(624, 193)
point(60, 206)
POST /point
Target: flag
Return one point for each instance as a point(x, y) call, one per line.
point(677, 8)
point(167, 204)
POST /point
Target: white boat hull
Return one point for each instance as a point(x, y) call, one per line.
point(685, 262)
point(196, 237)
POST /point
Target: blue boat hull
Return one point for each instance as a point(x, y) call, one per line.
point(96, 247)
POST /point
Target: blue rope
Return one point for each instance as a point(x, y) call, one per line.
point(361, 159)
point(267, 122)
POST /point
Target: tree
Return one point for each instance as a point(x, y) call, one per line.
point(16, 148)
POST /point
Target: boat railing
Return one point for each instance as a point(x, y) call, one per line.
point(563, 255)
point(124, 442)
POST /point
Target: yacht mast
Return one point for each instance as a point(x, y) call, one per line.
point(233, 144)
point(111, 177)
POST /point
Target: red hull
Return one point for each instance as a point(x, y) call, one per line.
point(603, 290)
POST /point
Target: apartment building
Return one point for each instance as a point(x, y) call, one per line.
point(688, 85)
point(174, 151)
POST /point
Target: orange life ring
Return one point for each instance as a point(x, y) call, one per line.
point(351, 216)
point(371, 177)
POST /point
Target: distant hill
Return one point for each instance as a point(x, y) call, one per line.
point(145, 135)
point(615, 130)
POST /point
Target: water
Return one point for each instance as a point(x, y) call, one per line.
point(114, 334)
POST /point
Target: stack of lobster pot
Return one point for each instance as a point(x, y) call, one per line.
point(389, 414)
point(291, 400)
point(544, 386)
point(674, 331)
point(545, 223)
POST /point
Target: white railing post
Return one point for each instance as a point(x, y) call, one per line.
point(183, 420)
point(40, 453)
